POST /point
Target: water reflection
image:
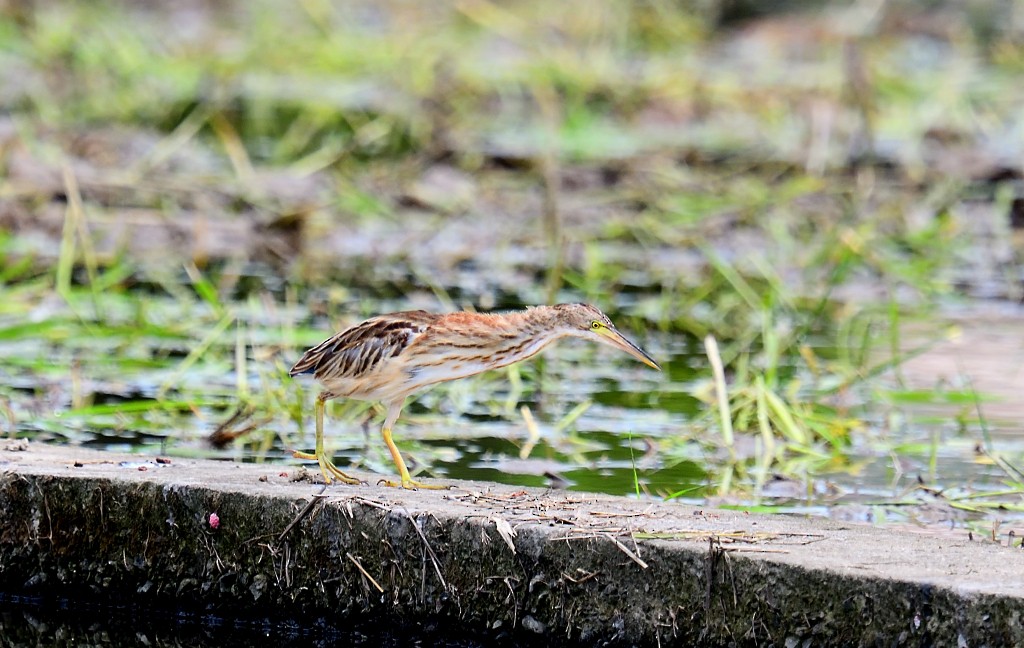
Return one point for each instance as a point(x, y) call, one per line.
point(608, 466)
point(61, 621)
point(603, 423)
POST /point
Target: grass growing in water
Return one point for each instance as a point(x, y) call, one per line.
point(688, 188)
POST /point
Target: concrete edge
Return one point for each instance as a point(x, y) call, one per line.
point(576, 568)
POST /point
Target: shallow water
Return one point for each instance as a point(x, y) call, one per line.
point(68, 621)
point(603, 423)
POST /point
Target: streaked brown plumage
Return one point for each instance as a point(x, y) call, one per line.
point(388, 357)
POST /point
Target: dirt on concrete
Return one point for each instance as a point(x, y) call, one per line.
point(578, 569)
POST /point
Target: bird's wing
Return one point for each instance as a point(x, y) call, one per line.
point(357, 350)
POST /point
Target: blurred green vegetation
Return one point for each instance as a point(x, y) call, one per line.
point(192, 194)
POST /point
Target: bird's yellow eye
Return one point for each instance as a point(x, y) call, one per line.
point(595, 325)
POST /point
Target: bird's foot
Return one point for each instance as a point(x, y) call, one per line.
point(411, 484)
point(327, 468)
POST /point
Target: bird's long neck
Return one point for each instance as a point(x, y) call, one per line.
point(498, 340)
point(525, 334)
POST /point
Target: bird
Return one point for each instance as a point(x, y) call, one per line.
point(390, 357)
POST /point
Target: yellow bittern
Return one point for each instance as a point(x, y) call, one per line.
point(388, 357)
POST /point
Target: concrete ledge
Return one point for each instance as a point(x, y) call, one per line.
point(577, 568)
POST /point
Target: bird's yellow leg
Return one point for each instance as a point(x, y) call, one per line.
point(394, 409)
point(327, 467)
point(407, 480)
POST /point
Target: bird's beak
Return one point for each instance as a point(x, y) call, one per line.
point(619, 341)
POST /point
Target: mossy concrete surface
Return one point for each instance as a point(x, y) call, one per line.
point(578, 568)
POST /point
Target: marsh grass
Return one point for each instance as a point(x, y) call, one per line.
point(698, 183)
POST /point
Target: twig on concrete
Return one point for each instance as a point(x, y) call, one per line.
point(709, 576)
point(732, 578)
point(372, 503)
point(717, 553)
point(612, 514)
point(624, 549)
point(430, 550)
point(582, 579)
point(364, 572)
point(505, 530)
point(594, 534)
point(49, 522)
point(304, 512)
point(286, 566)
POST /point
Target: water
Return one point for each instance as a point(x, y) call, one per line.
point(63, 621)
point(604, 423)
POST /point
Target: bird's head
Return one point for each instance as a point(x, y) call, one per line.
point(586, 321)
